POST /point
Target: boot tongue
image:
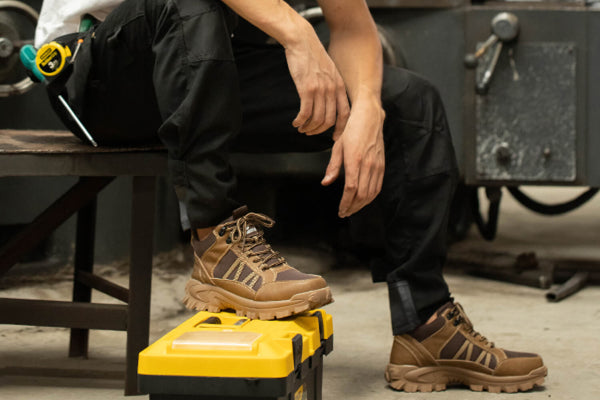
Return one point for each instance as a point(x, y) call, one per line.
point(237, 213)
point(240, 212)
point(252, 231)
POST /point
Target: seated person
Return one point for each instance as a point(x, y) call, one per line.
point(177, 70)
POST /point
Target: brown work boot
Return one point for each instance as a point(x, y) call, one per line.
point(235, 268)
point(446, 350)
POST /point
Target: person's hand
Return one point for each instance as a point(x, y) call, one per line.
point(323, 99)
point(360, 148)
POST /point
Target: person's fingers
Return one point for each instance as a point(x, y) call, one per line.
point(380, 178)
point(330, 112)
point(317, 117)
point(335, 164)
point(306, 107)
point(343, 112)
point(370, 182)
point(374, 186)
point(350, 188)
point(377, 172)
point(322, 97)
point(361, 197)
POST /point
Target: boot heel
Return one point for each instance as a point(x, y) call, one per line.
point(402, 377)
point(199, 297)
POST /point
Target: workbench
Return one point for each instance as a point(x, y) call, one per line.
point(54, 153)
point(58, 154)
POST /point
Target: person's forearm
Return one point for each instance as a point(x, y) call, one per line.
point(356, 50)
point(274, 17)
point(323, 100)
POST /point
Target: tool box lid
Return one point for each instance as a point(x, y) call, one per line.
point(226, 345)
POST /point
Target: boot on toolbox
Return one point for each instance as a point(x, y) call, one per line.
point(235, 268)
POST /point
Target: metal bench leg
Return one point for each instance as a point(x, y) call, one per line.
point(58, 212)
point(140, 275)
point(84, 261)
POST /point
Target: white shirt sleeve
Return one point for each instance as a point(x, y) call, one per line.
point(60, 17)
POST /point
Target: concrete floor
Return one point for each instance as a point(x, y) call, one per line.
point(515, 317)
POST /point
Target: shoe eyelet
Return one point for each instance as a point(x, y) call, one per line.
point(222, 231)
point(228, 241)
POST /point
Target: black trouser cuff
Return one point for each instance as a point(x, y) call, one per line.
point(404, 314)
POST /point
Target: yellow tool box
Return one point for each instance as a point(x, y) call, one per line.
point(223, 356)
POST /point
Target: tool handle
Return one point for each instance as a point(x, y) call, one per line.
point(87, 22)
point(28, 54)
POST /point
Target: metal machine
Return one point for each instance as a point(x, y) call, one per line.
point(518, 80)
point(17, 21)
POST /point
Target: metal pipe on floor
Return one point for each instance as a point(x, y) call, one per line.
point(573, 285)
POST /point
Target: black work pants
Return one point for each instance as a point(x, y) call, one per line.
point(170, 67)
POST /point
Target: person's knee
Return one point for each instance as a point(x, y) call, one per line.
point(427, 91)
point(416, 126)
point(411, 97)
point(190, 12)
point(195, 30)
point(187, 6)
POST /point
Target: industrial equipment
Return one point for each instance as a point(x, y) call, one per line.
point(17, 21)
point(518, 79)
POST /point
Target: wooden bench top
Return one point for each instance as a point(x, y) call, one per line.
point(60, 153)
point(56, 142)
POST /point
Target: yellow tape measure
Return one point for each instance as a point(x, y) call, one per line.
point(51, 58)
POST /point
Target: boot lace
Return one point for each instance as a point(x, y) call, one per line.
point(254, 245)
point(458, 314)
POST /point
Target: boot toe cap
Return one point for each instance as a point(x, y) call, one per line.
point(519, 364)
point(285, 290)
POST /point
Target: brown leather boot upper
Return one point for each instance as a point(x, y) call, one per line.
point(450, 340)
point(236, 257)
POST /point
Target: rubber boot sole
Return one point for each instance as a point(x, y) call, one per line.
point(410, 378)
point(202, 297)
